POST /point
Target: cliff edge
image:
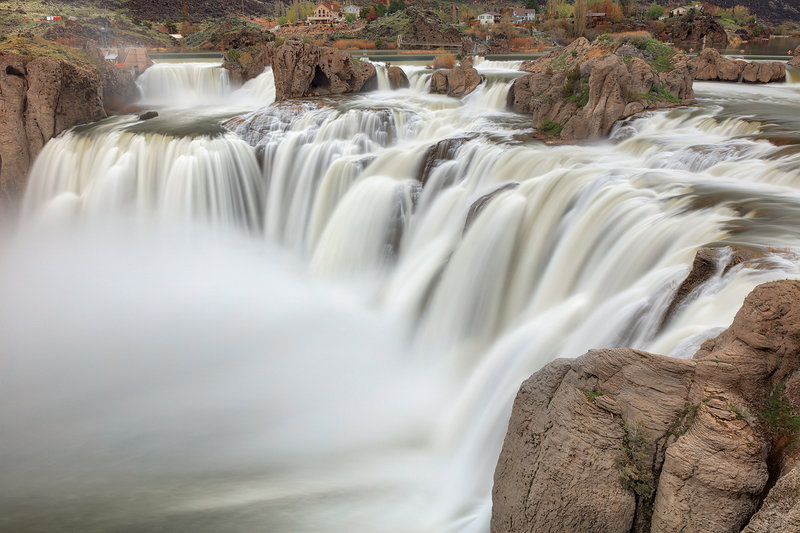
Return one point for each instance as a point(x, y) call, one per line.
point(622, 440)
point(41, 97)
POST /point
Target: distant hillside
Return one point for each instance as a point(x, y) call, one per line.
point(198, 9)
point(769, 10)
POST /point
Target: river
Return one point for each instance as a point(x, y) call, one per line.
point(243, 317)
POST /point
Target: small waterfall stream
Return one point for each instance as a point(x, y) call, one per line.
point(379, 273)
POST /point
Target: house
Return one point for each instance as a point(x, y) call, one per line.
point(350, 9)
point(521, 16)
point(488, 18)
point(326, 14)
point(680, 11)
point(593, 19)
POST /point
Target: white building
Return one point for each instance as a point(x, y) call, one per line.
point(352, 10)
point(488, 18)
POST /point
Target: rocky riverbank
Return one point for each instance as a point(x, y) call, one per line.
point(623, 440)
point(709, 65)
point(41, 97)
point(582, 90)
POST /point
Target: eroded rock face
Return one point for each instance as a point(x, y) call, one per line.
point(622, 440)
point(795, 60)
point(397, 78)
point(586, 87)
point(303, 69)
point(42, 97)
point(456, 82)
point(781, 509)
point(250, 63)
point(698, 30)
point(709, 65)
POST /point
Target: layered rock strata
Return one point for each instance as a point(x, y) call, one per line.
point(624, 440)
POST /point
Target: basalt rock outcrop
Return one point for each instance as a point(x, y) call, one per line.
point(244, 65)
point(582, 90)
point(303, 69)
point(456, 82)
point(397, 78)
point(622, 440)
point(709, 65)
point(40, 98)
point(698, 30)
point(795, 60)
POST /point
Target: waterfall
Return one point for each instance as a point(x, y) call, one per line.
point(112, 170)
point(341, 352)
point(183, 84)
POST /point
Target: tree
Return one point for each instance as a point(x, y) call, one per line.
point(580, 17)
point(364, 12)
point(283, 20)
point(654, 11)
point(372, 14)
point(380, 9)
point(350, 17)
point(184, 13)
point(397, 5)
point(532, 4)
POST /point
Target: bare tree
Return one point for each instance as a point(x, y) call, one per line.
point(580, 17)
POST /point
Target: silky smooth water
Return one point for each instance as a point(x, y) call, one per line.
point(295, 318)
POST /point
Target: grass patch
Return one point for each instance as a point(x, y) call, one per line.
point(550, 128)
point(656, 53)
point(40, 47)
point(592, 395)
point(634, 463)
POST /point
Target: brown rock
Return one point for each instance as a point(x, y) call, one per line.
point(698, 30)
point(710, 65)
point(250, 63)
point(148, 115)
point(397, 78)
point(566, 463)
point(456, 82)
point(558, 470)
point(795, 60)
point(587, 87)
point(303, 69)
point(444, 150)
point(39, 99)
point(781, 509)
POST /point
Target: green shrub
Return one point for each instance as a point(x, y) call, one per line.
point(550, 128)
point(634, 463)
point(232, 55)
point(777, 415)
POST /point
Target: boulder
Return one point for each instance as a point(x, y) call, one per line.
point(709, 65)
point(582, 90)
point(397, 78)
point(795, 60)
point(303, 69)
point(456, 82)
point(40, 98)
point(623, 440)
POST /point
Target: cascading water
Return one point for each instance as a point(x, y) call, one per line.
point(438, 258)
